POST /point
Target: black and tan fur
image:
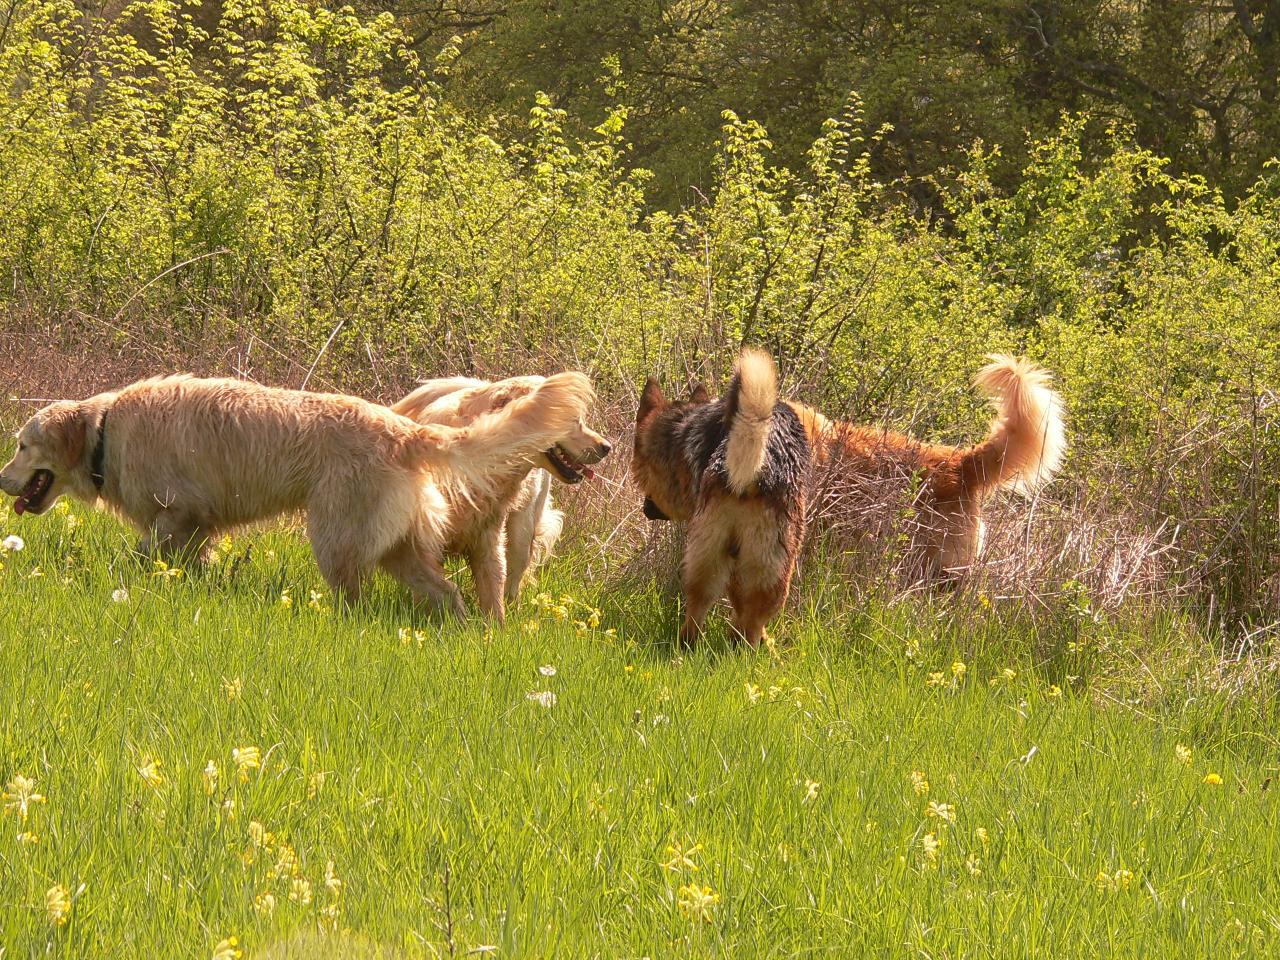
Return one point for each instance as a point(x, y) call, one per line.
point(734, 470)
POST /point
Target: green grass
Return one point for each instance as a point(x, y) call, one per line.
point(464, 818)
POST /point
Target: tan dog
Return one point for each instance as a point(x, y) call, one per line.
point(185, 458)
point(512, 526)
point(1023, 450)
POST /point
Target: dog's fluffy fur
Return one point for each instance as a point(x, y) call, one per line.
point(511, 526)
point(735, 471)
point(185, 458)
point(1023, 450)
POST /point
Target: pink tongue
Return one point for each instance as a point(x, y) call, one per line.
point(20, 505)
point(588, 473)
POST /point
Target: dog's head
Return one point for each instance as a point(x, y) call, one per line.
point(654, 403)
point(50, 459)
point(569, 460)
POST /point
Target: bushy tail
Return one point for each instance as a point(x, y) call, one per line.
point(1028, 437)
point(749, 405)
point(499, 443)
point(429, 391)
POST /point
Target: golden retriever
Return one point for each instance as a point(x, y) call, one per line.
point(511, 526)
point(184, 458)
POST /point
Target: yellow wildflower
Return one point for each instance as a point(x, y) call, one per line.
point(1183, 753)
point(150, 772)
point(57, 904)
point(811, 788)
point(945, 812)
point(919, 783)
point(286, 599)
point(265, 903)
point(257, 833)
point(300, 890)
point(697, 902)
point(936, 679)
point(20, 795)
point(229, 808)
point(331, 881)
point(753, 693)
point(227, 949)
point(315, 783)
point(316, 601)
point(1213, 779)
point(210, 777)
point(27, 839)
point(973, 865)
point(681, 858)
point(931, 847)
point(232, 688)
point(981, 834)
point(1054, 690)
point(246, 759)
point(958, 670)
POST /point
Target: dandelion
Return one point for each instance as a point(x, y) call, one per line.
point(919, 783)
point(150, 773)
point(1055, 691)
point(958, 670)
point(811, 788)
point(20, 795)
point(1183, 753)
point(120, 595)
point(264, 903)
point(210, 777)
point(974, 865)
point(1213, 779)
point(547, 670)
point(232, 688)
point(331, 881)
point(227, 949)
point(544, 698)
point(931, 847)
point(945, 812)
point(246, 759)
point(12, 544)
point(936, 679)
point(300, 891)
point(680, 858)
point(697, 902)
point(629, 668)
point(57, 904)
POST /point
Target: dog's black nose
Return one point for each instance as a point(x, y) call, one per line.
point(605, 447)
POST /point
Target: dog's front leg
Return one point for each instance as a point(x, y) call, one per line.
point(488, 561)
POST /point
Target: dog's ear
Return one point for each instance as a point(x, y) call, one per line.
point(651, 399)
point(653, 511)
point(62, 430)
point(698, 393)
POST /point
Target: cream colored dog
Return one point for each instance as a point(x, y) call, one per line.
point(184, 459)
point(513, 526)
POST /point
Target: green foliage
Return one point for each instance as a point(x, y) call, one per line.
point(292, 183)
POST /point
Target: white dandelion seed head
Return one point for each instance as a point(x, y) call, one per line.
point(12, 543)
point(119, 595)
point(547, 670)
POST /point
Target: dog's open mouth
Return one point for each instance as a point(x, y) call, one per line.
point(566, 468)
point(31, 499)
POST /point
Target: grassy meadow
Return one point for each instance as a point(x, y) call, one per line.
point(217, 754)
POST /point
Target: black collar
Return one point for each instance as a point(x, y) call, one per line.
point(98, 463)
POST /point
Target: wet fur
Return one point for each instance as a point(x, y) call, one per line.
point(734, 470)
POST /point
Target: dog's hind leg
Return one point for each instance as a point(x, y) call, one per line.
point(756, 595)
point(706, 571)
point(521, 529)
point(424, 576)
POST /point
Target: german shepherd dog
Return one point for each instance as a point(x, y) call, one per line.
point(734, 470)
point(1023, 450)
